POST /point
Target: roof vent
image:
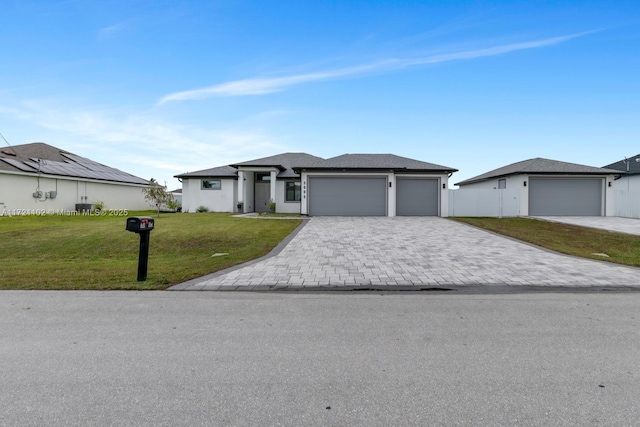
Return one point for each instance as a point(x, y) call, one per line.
point(9, 153)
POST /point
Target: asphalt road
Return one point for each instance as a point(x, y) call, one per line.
point(168, 358)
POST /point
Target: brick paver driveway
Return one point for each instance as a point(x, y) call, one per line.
point(341, 252)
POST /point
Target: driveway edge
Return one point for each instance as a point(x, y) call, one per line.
point(275, 251)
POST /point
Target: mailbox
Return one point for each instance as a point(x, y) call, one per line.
point(139, 223)
point(143, 226)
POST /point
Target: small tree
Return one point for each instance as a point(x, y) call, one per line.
point(157, 194)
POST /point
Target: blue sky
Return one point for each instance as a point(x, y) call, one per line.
point(158, 88)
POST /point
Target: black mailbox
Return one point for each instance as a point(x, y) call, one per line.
point(143, 226)
point(139, 223)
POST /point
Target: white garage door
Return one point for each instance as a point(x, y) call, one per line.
point(565, 196)
point(348, 196)
point(417, 196)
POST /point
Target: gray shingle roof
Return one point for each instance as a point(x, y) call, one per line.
point(285, 162)
point(374, 161)
point(630, 165)
point(218, 172)
point(45, 159)
point(539, 166)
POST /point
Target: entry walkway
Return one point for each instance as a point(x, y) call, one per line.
point(414, 252)
point(611, 223)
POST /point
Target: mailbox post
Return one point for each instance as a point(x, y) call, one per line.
point(141, 225)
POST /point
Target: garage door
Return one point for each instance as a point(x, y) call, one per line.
point(348, 196)
point(417, 197)
point(565, 196)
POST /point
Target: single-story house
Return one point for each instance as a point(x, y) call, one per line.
point(629, 173)
point(627, 187)
point(545, 187)
point(40, 178)
point(349, 185)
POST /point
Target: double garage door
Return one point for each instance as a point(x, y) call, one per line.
point(367, 196)
point(565, 196)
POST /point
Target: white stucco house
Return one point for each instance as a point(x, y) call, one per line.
point(627, 186)
point(40, 178)
point(347, 185)
point(537, 187)
point(628, 177)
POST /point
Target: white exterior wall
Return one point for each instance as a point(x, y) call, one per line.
point(627, 183)
point(223, 200)
point(281, 205)
point(609, 196)
point(444, 196)
point(627, 196)
point(16, 192)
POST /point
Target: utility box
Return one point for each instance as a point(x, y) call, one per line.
point(83, 207)
point(139, 223)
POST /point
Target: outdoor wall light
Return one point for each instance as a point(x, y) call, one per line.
point(444, 186)
point(389, 184)
point(525, 183)
point(609, 183)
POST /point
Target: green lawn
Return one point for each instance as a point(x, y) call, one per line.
point(568, 239)
point(88, 252)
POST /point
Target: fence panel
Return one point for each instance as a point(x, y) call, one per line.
point(485, 202)
point(627, 203)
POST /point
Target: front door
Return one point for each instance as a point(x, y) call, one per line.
point(262, 193)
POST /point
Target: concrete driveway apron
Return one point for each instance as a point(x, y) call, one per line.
point(380, 252)
point(610, 223)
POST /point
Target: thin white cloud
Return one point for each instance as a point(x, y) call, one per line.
point(107, 32)
point(142, 144)
point(266, 85)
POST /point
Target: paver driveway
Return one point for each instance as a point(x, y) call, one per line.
point(345, 252)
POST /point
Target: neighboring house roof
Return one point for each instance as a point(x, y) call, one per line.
point(374, 161)
point(285, 162)
point(44, 159)
point(540, 166)
point(630, 166)
point(217, 172)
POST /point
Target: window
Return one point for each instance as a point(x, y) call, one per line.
point(502, 183)
point(263, 177)
point(211, 184)
point(292, 192)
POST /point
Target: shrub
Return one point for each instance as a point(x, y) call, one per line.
point(202, 209)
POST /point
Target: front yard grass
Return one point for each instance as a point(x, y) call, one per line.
point(565, 238)
point(88, 252)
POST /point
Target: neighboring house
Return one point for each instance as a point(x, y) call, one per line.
point(627, 187)
point(40, 178)
point(629, 175)
point(538, 187)
point(177, 195)
point(350, 185)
